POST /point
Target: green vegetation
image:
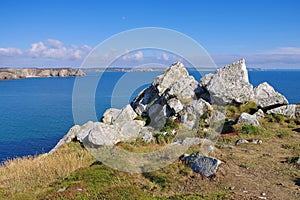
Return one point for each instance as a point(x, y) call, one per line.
point(72, 173)
point(249, 129)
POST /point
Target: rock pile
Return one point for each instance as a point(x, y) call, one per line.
point(177, 95)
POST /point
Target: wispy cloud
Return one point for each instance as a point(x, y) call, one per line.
point(282, 57)
point(53, 52)
point(10, 51)
point(50, 52)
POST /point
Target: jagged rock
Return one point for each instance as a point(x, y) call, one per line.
point(72, 134)
point(175, 105)
point(288, 111)
point(247, 119)
point(203, 165)
point(126, 114)
point(146, 134)
point(192, 113)
point(110, 115)
point(229, 84)
point(259, 114)
point(175, 83)
point(173, 74)
point(266, 97)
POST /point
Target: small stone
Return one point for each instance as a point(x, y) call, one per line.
point(61, 189)
point(241, 141)
point(263, 194)
point(262, 197)
point(268, 155)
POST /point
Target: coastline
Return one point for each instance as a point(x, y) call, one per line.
point(15, 73)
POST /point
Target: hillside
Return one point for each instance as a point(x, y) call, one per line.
point(239, 142)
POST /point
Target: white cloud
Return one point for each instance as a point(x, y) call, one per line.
point(139, 56)
point(129, 56)
point(55, 49)
point(285, 51)
point(10, 51)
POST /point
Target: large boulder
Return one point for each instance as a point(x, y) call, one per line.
point(203, 165)
point(247, 119)
point(229, 84)
point(266, 97)
point(192, 113)
point(288, 111)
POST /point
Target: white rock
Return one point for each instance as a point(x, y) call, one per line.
point(229, 84)
point(288, 111)
point(265, 96)
point(247, 119)
point(127, 113)
point(192, 113)
point(110, 115)
point(175, 105)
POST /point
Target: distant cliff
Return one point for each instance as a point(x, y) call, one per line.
point(14, 73)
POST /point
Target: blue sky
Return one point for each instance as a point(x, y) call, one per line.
point(62, 32)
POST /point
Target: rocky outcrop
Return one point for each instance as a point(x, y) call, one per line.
point(247, 119)
point(288, 111)
point(173, 88)
point(266, 97)
point(229, 84)
point(168, 95)
point(14, 73)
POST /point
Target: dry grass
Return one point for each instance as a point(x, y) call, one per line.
point(30, 174)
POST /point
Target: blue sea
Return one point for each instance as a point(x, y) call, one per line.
point(35, 113)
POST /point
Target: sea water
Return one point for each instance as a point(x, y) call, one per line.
point(35, 113)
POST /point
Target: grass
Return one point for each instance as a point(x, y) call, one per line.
point(30, 174)
point(72, 173)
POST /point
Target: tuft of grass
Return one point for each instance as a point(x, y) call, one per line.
point(249, 129)
point(232, 111)
point(283, 133)
point(28, 174)
point(250, 107)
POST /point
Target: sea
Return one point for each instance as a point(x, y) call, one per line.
point(35, 113)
